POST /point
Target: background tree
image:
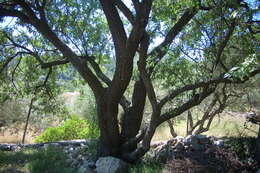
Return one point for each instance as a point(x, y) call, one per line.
point(194, 34)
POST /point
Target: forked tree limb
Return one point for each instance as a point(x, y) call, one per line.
point(115, 25)
point(218, 80)
point(125, 10)
point(124, 102)
point(223, 44)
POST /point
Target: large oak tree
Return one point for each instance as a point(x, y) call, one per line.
point(207, 43)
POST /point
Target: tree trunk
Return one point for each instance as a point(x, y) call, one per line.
point(172, 131)
point(109, 131)
point(27, 120)
point(257, 149)
point(132, 118)
point(110, 139)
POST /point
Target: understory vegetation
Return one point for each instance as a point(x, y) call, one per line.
point(53, 159)
point(37, 161)
point(72, 128)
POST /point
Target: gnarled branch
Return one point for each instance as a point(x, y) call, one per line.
point(195, 100)
point(218, 80)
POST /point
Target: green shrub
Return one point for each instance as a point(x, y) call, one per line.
point(73, 128)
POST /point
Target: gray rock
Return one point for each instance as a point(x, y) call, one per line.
point(91, 164)
point(188, 140)
point(80, 157)
point(219, 143)
point(193, 142)
point(7, 147)
point(203, 139)
point(111, 165)
point(179, 146)
point(55, 144)
point(83, 169)
point(179, 138)
point(46, 146)
point(74, 163)
point(74, 154)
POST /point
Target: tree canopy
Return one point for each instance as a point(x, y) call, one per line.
point(183, 47)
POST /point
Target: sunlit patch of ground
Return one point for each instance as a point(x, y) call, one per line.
point(227, 125)
point(14, 134)
point(9, 137)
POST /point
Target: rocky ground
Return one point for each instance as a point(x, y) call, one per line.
point(193, 154)
point(200, 154)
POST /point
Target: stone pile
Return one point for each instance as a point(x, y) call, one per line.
point(104, 165)
point(162, 151)
point(199, 153)
point(66, 144)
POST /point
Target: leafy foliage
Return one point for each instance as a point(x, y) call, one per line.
point(73, 128)
point(244, 68)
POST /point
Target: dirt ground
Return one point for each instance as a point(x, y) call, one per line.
point(14, 134)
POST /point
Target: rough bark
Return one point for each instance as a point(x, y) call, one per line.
point(189, 122)
point(171, 126)
point(125, 49)
point(109, 130)
point(27, 120)
point(257, 149)
point(132, 118)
